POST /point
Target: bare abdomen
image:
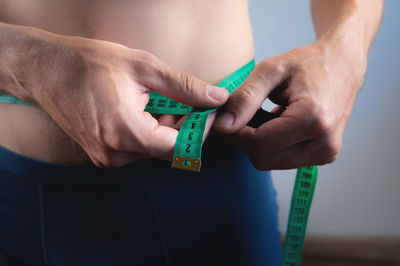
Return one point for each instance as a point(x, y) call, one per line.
point(209, 39)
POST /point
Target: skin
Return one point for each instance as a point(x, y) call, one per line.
point(314, 86)
point(90, 94)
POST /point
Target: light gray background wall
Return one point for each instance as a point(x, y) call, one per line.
point(360, 193)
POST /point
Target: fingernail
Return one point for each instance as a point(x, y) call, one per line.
point(225, 120)
point(217, 93)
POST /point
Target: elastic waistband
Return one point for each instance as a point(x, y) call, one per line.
point(71, 174)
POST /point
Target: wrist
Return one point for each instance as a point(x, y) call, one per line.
point(23, 53)
point(351, 58)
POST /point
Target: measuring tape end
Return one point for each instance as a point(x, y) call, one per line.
point(186, 163)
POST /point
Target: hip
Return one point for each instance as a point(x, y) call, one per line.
point(144, 213)
point(31, 132)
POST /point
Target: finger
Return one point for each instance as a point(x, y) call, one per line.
point(157, 140)
point(278, 110)
point(248, 98)
point(115, 159)
point(156, 116)
point(161, 142)
point(176, 122)
point(261, 117)
point(180, 121)
point(169, 120)
point(291, 157)
point(209, 124)
point(179, 86)
point(311, 152)
point(293, 126)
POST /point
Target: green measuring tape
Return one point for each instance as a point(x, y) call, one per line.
point(187, 152)
point(303, 192)
point(187, 156)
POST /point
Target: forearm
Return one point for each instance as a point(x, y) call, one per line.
point(324, 79)
point(349, 24)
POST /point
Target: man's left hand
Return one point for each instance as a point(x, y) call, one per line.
point(315, 87)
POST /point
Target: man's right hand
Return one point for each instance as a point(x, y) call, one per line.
point(96, 91)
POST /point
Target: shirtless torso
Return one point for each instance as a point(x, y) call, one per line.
point(209, 39)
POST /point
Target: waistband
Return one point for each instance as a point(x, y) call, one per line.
point(70, 174)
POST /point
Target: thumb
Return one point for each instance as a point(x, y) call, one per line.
point(181, 86)
point(192, 91)
point(246, 100)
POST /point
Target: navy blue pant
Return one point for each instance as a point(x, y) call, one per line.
point(142, 214)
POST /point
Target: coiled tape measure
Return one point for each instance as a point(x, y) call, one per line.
point(187, 156)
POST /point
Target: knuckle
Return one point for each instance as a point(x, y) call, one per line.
point(187, 83)
point(332, 158)
point(273, 67)
point(330, 151)
point(110, 160)
point(301, 68)
point(328, 160)
point(104, 158)
point(115, 142)
point(245, 96)
point(142, 55)
point(323, 122)
point(264, 66)
point(109, 137)
point(144, 63)
point(279, 69)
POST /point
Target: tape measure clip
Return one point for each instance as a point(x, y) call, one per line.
point(186, 163)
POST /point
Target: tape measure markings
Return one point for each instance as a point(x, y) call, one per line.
point(187, 156)
point(159, 104)
point(190, 138)
point(302, 196)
